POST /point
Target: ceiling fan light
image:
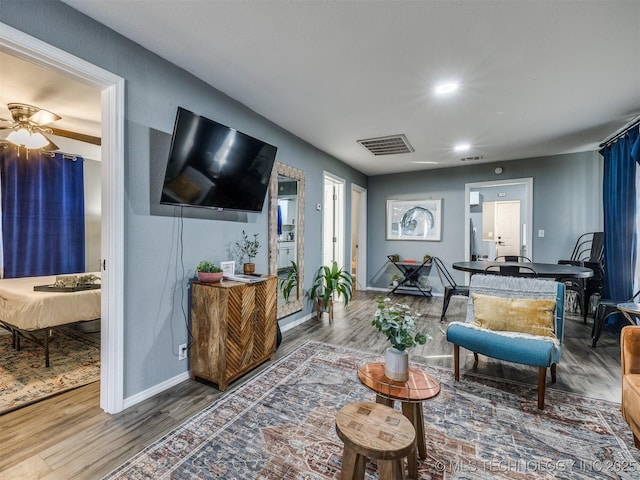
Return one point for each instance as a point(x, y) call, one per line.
point(37, 141)
point(19, 137)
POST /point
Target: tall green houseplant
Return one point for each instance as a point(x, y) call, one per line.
point(329, 282)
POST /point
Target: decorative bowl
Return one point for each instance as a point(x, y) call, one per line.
point(210, 277)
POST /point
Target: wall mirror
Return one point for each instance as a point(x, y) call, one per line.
point(286, 235)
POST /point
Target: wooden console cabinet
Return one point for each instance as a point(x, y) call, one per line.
point(233, 327)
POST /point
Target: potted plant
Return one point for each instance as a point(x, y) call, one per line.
point(395, 257)
point(290, 282)
point(329, 282)
point(395, 279)
point(399, 325)
point(427, 259)
point(208, 272)
point(247, 247)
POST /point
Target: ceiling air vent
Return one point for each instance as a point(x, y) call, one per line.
point(467, 159)
point(391, 145)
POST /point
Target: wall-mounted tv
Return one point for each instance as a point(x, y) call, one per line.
point(212, 165)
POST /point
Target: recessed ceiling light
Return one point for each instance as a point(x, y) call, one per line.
point(462, 147)
point(446, 88)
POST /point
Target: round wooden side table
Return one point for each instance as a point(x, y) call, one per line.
point(419, 387)
point(378, 432)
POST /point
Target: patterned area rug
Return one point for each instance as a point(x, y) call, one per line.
point(280, 425)
point(24, 379)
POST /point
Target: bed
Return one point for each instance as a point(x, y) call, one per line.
point(27, 313)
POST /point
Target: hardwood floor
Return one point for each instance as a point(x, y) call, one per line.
point(69, 437)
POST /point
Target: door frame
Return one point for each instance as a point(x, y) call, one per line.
point(341, 217)
point(19, 44)
point(527, 238)
point(361, 219)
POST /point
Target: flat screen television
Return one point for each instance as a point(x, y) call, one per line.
point(215, 166)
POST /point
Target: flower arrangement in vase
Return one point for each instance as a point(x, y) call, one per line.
point(399, 325)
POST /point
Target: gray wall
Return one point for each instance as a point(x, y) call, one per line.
point(156, 283)
point(567, 202)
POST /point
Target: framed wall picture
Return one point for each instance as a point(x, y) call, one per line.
point(228, 268)
point(414, 220)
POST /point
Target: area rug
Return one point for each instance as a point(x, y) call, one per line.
point(280, 425)
point(24, 379)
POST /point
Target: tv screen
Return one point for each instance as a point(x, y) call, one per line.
point(212, 165)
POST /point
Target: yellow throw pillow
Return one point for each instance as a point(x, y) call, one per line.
point(524, 315)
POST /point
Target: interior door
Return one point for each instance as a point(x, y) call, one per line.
point(507, 228)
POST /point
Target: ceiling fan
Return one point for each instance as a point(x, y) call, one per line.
point(30, 127)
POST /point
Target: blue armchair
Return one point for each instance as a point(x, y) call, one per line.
point(515, 319)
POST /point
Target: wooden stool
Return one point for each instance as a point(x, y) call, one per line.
point(380, 433)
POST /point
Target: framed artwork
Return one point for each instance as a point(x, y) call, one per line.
point(414, 220)
point(228, 268)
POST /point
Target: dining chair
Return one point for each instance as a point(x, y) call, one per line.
point(451, 288)
point(587, 252)
point(513, 258)
point(510, 270)
point(605, 309)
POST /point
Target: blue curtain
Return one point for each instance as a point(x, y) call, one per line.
point(619, 202)
point(42, 213)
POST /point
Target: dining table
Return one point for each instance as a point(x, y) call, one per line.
point(543, 270)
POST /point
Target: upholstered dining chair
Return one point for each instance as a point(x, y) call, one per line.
point(630, 363)
point(451, 288)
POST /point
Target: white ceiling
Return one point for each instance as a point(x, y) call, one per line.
point(536, 78)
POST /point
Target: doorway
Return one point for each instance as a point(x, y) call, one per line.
point(19, 44)
point(333, 237)
point(507, 194)
point(501, 226)
point(359, 236)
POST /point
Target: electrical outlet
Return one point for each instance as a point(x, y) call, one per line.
point(182, 351)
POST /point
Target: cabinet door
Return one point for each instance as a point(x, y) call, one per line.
point(208, 327)
point(264, 339)
point(241, 314)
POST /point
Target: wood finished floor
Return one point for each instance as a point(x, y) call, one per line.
point(69, 437)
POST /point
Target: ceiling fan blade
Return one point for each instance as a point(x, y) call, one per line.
point(44, 117)
point(51, 146)
point(81, 137)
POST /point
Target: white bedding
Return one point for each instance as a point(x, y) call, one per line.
point(22, 307)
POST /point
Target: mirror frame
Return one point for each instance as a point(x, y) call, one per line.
point(296, 174)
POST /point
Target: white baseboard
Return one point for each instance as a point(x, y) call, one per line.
point(297, 322)
point(156, 389)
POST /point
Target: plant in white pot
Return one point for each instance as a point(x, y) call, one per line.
point(399, 325)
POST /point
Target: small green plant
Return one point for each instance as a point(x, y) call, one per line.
point(396, 278)
point(290, 282)
point(329, 281)
point(247, 247)
point(427, 258)
point(206, 266)
point(395, 257)
point(398, 324)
